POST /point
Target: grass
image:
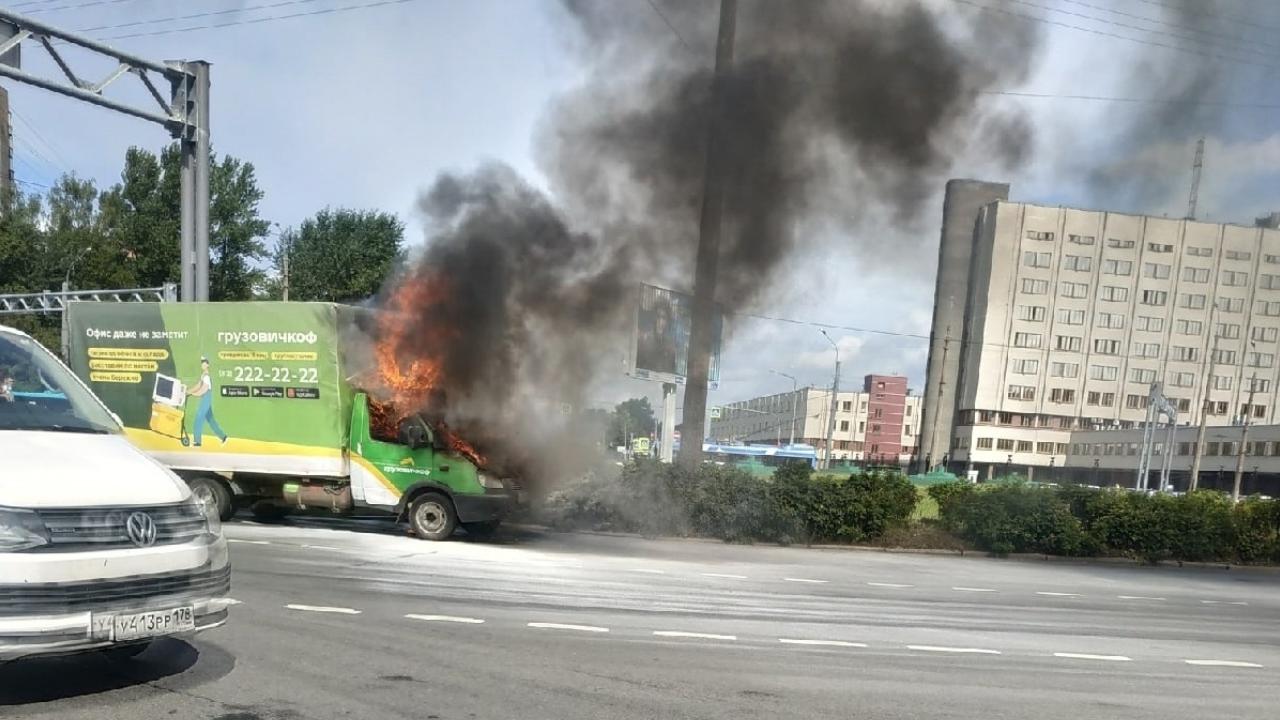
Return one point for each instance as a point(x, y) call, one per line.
point(926, 506)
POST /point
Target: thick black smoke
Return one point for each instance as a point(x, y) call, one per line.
point(834, 107)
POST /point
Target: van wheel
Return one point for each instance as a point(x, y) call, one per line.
point(482, 529)
point(209, 490)
point(118, 653)
point(432, 517)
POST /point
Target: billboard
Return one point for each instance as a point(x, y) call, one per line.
point(660, 346)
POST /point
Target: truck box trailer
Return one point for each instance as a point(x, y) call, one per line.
point(251, 404)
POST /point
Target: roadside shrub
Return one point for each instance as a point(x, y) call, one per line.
point(1257, 531)
point(1010, 518)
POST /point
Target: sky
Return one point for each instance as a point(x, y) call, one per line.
point(362, 103)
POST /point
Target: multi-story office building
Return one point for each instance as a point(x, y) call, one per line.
point(879, 424)
point(1068, 316)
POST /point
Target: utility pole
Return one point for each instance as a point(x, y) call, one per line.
point(1244, 440)
point(1210, 367)
point(702, 326)
point(794, 385)
point(1196, 168)
point(942, 387)
point(835, 398)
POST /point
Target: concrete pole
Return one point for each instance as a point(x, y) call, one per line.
point(831, 416)
point(1211, 346)
point(187, 214)
point(200, 70)
point(1244, 440)
point(668, 422)
point(702, 326)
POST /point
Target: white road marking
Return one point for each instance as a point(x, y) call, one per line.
point(1223, 663)
point(804, 580)
point(649, 570)
point(1058, 594)
point(944, 649)
point(249, 542)
point(561, 626)
point(890, 585)
point(725, 575)
point(1088, 656)
point(1224, 602)
point(323, 609)
point(320, 547)
point(973, 589)
point(830, 643)
point(702, 636)
point(445, 618)
point(1139, 597)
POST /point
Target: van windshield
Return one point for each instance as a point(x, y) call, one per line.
point(38, 393)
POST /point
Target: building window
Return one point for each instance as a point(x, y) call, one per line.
point(1261, 360)
point(846, 406)
point(1031, 286)
point(1211, 448)
point(1199, 251)
point(1006, 418)
point(1150, 323)
point(1183, 404)
point(878, 414)
point(1044, 448)
point(1146, 350)
point(1122, 244)
point(1263, 334)
point(1260, 384)
point(1228, 331)
point(1117, 267)
point(1238, 255)
point(1022, 392)
point(1070, 317)
point(1033, 313)
point(1234, 278)
point(1190, 327)
point(1181, 353)
point(1135, 402)
point(1024, 446)
point(1026, 367)
point(1069, 343)
point(1074, 290)
point(908, 411)
point(1190, 301)
point(1183, 379)
point(1110, 321)
point(1159, 248)
point(1154, 297)
point(1027, 420)
point(1103, 346)
point(862, 426)
point(844, 426)
point(986, 416)
point(1224, 357)
point(984, 443)
point(1062, 395)
point(875, 427)
point(1195, 275)
point(1026, 340)
point(1270, 309)
point(1222, 382)
point(1159, 271)
point(1234, 305)
point(1080, 239)
point(1145, 376)
point(1037, 259)
point(1114, 293)
point(1078, 263)
point(1269, 282)
point(1103, 372)
point(1004, 444)
point(1039, 235)
point(1064, 370)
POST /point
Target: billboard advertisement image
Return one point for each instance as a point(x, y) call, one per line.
point(661, 339)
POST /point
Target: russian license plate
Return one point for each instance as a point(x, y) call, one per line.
point(152, 624)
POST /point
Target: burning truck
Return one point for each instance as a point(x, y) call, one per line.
point(282, 406)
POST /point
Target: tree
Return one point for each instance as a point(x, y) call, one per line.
point(631, 418)
point(340, 255)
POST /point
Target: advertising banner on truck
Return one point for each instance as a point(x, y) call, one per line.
point(236, 386)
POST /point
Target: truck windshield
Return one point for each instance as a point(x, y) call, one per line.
point(38, 393)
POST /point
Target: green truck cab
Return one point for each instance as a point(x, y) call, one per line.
point(253, 404)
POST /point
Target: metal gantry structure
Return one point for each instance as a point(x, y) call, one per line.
point(184, 112)
point(1157, 405)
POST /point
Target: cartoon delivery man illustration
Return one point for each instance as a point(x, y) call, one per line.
point(204, 414)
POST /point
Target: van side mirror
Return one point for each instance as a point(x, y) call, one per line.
point(412, 434)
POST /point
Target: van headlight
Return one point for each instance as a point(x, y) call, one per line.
point(212, 518)
point(21, 530)
point(489, 482)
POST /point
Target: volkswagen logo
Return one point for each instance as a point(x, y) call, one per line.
point(141, 529)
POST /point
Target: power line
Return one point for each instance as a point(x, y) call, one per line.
point(30, 182)
point(194, 16)
point(1104, 33)
point(255, 21)
point(1142, 101)
point(37, 11)
point(653, 4)
point(1227, 18)
point(1156, 21)
point(61, 160)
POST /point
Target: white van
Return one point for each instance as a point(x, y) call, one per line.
point(101, 547)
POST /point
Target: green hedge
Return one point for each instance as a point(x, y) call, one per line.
point(1199, 526)
point(795, 505)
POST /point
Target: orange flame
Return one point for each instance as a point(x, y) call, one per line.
point(407, 373)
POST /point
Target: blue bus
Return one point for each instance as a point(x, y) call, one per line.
point(769, 455)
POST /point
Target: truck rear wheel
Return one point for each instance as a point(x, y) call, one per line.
point(432, 517)
point(210, 490)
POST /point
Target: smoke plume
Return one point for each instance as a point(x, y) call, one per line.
point(835, 109)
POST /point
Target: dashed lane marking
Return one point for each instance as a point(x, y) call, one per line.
point(973, 589)
point(804, 580)
point(889, 585)
point(445, 618)
point(1224, 602)
point(945, 649)
point(248, 542)
point(823, 643)
point(323, 609)
point(1140, 597)
point(1223, 663)
point(651, 571)
point(725, 575)
point(1058, 594)
point(320, 547)
point(563, 626)
point(699, 636)
point(1090, 656)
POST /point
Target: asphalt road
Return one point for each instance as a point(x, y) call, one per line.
point(353, 620)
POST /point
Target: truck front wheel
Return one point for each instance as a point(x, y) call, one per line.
point(432, 517)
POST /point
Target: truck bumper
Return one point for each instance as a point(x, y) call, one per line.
point(494, 505)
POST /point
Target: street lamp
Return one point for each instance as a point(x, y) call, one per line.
point(794, 391)
point(66, 280)
point(835, 395)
